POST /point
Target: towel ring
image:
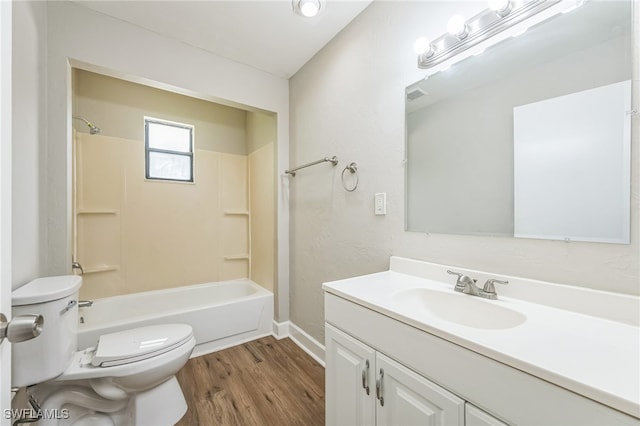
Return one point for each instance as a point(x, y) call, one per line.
point(353, 168)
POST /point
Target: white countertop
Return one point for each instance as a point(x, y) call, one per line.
point(596, 357)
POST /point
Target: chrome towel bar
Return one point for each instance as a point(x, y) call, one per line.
point(333, 160)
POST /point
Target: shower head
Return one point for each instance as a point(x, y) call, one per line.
point(93, 129)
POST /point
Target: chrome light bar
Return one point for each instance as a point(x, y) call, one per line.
point(481, 27)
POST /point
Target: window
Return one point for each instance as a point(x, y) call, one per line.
point(169, 150)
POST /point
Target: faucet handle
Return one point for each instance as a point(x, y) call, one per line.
point(462, 278)
point(464, 283)
point(450, 272)
point(489, 291)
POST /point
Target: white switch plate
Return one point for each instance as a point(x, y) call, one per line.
point(380, 206)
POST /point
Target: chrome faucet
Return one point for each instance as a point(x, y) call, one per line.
point(465, 284)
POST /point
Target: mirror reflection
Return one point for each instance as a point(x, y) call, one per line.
point(531, 138)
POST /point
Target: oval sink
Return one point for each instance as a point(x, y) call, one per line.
point(459, 308)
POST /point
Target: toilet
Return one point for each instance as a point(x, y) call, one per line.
point(127, 378)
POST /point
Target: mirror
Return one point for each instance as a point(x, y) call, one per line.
point(531, 138)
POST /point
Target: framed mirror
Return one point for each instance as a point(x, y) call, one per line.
point(531, 138)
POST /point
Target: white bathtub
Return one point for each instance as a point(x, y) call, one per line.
point(222, 314)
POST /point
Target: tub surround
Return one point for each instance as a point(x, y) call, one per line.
point(223, 223)
point(582, 340)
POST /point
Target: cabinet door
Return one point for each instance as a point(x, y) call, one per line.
point(477, 417)
point(406, 398)
point(349, 371)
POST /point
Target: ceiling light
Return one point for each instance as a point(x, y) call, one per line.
point(307, 8)
point(457, 27)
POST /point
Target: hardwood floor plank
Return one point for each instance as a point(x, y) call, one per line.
point(263, 382)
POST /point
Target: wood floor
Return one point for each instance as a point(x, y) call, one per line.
point(263, 382)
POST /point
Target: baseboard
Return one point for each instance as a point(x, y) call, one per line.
point(307, 343)
point(280, 329)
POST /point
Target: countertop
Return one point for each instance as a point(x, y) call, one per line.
point(593, 356)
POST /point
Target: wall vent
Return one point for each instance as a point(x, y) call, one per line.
point(415, 93)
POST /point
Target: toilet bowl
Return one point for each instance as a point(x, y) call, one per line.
point(127, 378)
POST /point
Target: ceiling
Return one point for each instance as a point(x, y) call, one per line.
point(265, 34)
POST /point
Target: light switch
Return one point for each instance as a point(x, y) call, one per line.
point(380, 207)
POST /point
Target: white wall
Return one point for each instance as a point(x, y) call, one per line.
point(99, 43)
point(29, 124)
point(349, 101)
point(6, 23)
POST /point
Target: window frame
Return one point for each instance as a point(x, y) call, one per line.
point(148, 149)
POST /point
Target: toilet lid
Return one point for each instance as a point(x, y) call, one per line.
point(133, 345)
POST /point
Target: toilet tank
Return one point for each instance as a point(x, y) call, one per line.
point(48, 355)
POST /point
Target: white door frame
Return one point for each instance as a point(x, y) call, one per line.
point(5, 201)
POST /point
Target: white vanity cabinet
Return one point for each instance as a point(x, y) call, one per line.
point(349, 380)
point(476, 417)
point(413, 362)
point(365, 387)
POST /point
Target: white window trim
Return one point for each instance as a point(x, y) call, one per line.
point(148, 149)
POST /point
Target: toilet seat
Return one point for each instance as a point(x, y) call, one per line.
point(137, 344)
point(168, 357)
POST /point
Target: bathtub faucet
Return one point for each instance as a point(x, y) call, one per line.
point(85, 303)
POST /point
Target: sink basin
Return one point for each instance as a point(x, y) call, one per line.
point(458, 308)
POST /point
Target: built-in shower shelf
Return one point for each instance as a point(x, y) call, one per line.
point(236, 213)
point(98, 211)
point(101, 268)
point(237, 257)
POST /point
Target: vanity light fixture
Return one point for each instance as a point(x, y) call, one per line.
point(307, 8)
point(422, 46)
point(519, 33)
point(501, 7)
point(577, 4)
point(457, 27)
point(500, 15)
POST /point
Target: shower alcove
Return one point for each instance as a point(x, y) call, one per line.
point(133, 234)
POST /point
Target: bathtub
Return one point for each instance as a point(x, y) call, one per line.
point(222, 314)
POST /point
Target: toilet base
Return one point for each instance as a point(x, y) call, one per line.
point(89, 418)
point(75, 403)
point(162, 405)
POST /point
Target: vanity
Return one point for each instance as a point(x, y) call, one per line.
point(402, 347)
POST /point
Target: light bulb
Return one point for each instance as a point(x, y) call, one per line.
point(309, 8)
point(457, 27)
point(422, 46)
point(501, 7)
